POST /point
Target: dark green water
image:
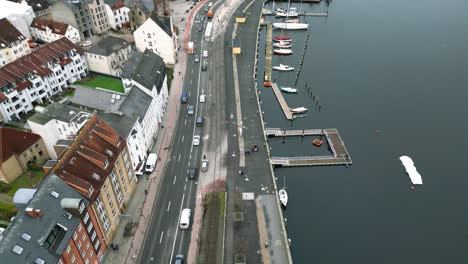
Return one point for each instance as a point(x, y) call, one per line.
point(400, 67)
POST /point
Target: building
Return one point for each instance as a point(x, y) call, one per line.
point(117, 14)
point(34, 78)
point(13, 44)
point(20, 15)
point(108, 55)
point(139, 13)
point(58, 122)
point(40, 7)
point(98, 16)
point(75, 14)
point(49, 31)
point(145, 74)
point(18, 150)
point(98, 166)
point(54, 224)
point(157, 35)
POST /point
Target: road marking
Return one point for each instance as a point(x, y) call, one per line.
point(168, 206)
point(179, 158)
point(160, 239)
point(175, 177)
point(185, 122)
point(185, 187)
point(190, 157)
point(183, 138)
point(177, 229)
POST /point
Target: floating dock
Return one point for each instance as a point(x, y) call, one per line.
point(279, 96)
point(340, 153)
point(268, 55)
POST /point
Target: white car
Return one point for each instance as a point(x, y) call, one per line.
point(204, 165)
point(210, 4)
point(205, 54)
point(87, 43)
point(196, 140)
point(202, 98)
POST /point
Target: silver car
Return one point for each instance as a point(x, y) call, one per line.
point(204, 165)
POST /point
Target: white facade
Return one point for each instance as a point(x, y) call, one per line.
point(20, 15)
point(111, 64)
point(16, 50)
point(98, 16)
point(152, 37)
point(118, 17)
point(48, 35)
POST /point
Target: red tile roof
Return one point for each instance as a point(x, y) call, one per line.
point(90, 158)
point(9, 33)
point(56, 27)
point(15, 142)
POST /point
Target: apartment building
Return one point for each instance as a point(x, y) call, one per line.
point(34, 78)
point(54, 224)
point(117, 14)
point(98, 166)
point(40, 7)
point(74, 13)
point(13, 44)
point(108, 55)
point(98, 16)
point(20, 15)
point(49, 31)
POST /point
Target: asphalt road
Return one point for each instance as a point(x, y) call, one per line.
point(164, 239)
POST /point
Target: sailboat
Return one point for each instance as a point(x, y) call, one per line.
point(291, 25)
point(283, 45)
point(290, 12)
point(282, 39)
point(298, 110)
point(288, 89)
point(283, 67)
point(283, 197)
point(282, 51)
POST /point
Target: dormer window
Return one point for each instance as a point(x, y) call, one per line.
point(106, 163)
point(90, 191)
point(118, 141)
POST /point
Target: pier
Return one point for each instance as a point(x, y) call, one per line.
point(279, 96)
point(268, 55)
point(337, 147)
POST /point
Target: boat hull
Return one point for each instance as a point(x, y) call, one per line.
point(283, 197)
point(282, 51)
point(282, 38)
point(290, 25)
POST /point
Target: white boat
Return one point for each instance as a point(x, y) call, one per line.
point(283, 51)
point(298, 110)
point(411, 170)
point(283, 45)
point(283, 67)
point(283, 197)
point(292, 12)
point(288, 89)
point(292, 20)
point(291, 25)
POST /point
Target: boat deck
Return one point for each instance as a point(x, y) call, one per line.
point(340, 153)
point(268, 53)
point(279, 96)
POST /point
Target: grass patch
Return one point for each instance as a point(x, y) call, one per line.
point(170, 77)
point(104, 82)
point(7, 210)
point(25, 180)
point(14, 126)
point(71, 94)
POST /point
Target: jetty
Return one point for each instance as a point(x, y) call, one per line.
point(268, 55)
point(340, 155)
point(279, 96)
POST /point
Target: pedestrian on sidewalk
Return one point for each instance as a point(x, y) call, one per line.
point(146, 192)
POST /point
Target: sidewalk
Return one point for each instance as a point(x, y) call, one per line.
point(130, 233)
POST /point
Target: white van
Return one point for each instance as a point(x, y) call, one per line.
point(151, 162)
point(185, 218)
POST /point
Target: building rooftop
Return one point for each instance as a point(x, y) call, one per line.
point(37, 5)
point(43, 228)
point(163, 22)
point(121, 123)
point(9, 34)
point(108, 45)
point(95, 98)
point(146, 68)
point(10, 8)
point(61, 112)
point(136, 104)
point(56, 27)
point(14, 141)
point(144, 5)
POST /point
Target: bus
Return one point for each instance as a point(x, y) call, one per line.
point(209, 27)
point(190, 47)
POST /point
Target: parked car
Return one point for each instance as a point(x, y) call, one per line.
point(204, 67)
point(205, 54)
point(179, 259)
point(196, 140)
point(210, 4)
point(202, 98)
point(192, 173)
point(204, 165)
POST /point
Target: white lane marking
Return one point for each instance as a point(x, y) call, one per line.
point(179, 158)
point(190, 156)
point(175, 177)
point(185, 122)
point(177, 229)
point(185, 187)
point(168, 206)
point(183, 138)
point(160, 239)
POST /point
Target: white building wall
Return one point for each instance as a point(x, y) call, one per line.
point(18, 49)
point(110, 65)
point(49, 36)
point(117, 18)
point(21, 16)
point(150, 36)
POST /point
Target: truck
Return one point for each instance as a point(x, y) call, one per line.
point(190, 47)
point(209, 14)
point(151, 162)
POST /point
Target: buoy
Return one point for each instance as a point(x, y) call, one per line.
point(412, 187)
point(377, 131)
point(317, 142)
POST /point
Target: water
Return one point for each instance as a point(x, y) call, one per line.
point(399, 67)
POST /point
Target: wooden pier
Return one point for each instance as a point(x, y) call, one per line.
point(340, 153)
point(279, 96)
point(268, 54)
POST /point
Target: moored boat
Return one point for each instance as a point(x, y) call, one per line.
point(282, 38)
point(283, 197)
point(411, 170)
point(288, 89)
point(291, 25)
point(283, 51)
point(283, 67)
point(298, 110)
point(292, 20)
point(283, 45)
point(292, 12)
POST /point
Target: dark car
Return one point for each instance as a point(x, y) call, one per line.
point(199, 28)
point(204, 67)
point(184, 98)
point(192, 173)
point(179, 259)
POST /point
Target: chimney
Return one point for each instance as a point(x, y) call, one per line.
point(34, 213)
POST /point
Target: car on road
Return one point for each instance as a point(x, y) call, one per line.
point(202, 98)
point(204, 66)
point(205, 54)
point(87, 43)
point(184, 98)
point(185, 218)
point(204, 165)
point(192, 173)
point(190, 110)
point(196, 140)
point(179, 259)
point(197, 58)
point(210, 4)
point(199, 28)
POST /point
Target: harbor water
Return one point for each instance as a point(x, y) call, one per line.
point(392, 77)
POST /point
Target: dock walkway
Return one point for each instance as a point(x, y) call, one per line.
point(279, 96)
point(268, 54)
point(337, 147)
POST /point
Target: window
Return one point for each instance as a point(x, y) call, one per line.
point(68, 249)
point(37, 145)
point(41, 153)
point(93, 236)
point(83, 254)
point(80, 227)
point(88, 245)
point(97, 244)
point(86, 218)
point(83, 237)
point(75, 235)
point(90, 227)
point(73, 259)
point(79, 245)
point(91, 254)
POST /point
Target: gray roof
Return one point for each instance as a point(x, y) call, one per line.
point(108, 45)
point(37, 5)
point(38, 229)
point(146, 68)
point(64, 113)
point(136, 104)
point(120, 123)
point(163, 22)
point(73, 4)
point(95, 98)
